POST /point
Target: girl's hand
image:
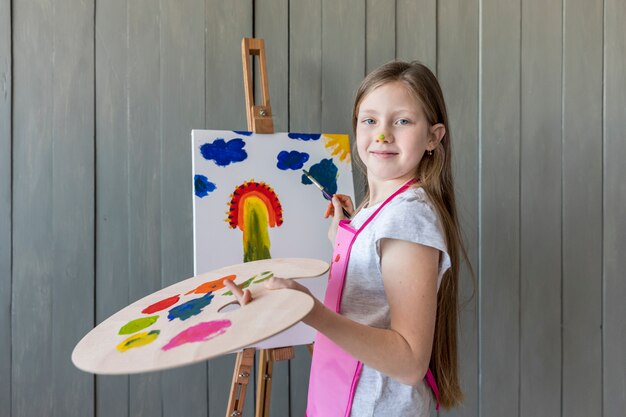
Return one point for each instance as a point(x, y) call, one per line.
point(277, 283)
point(338, 202)
point(243, 297)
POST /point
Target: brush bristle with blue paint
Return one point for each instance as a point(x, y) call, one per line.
point(328, 196)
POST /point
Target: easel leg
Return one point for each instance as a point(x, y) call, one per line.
point(266, 366)
point(241, 377)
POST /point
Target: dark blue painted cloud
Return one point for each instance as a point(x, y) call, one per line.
point(203, 186)
point(304, 136)
point(291, 160)
point(224, 153)
point(325, 172)
point(242, 132)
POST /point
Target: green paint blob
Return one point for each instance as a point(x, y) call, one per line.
point(264, 276)
point(138, 324)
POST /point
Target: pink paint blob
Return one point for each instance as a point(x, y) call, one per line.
point(201, 332)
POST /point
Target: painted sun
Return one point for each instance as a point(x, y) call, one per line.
point(339, 145)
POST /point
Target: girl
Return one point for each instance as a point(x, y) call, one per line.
point(387, 327)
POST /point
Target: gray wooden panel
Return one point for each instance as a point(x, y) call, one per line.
point(226, 24)
point(614, 232)
point(112, 204)
point(582, 208)
point(5, 207)
point(499, 127)
point(343, 61)
point(540, 344)
point(305, 65)
point(72, 216)
point(457, 68)
point(305, 110)
point(343, 67)
point(33, 261)
point(144, 177)
point(272, 25)
point(380, 33)
point(184, 390)
point(416, 31)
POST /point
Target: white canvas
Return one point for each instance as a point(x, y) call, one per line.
point(303, 232)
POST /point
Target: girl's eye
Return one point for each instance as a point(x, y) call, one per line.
point(368, 121)
point(403, 122)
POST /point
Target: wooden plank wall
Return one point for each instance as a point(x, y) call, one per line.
point(97, 101)
point(5, 207)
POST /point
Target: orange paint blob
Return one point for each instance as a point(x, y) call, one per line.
point(211, 286)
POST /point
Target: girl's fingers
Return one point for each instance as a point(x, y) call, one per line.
point(243, 297)
point(346, 202)
point(278, 283)
point(330, 210)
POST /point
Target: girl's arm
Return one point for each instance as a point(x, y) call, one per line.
point(403, 351)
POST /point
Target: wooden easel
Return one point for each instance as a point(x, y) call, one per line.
point(259, 121)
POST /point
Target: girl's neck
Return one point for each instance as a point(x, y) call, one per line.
point(379, 191)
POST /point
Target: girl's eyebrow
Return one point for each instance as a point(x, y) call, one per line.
point(395, 112)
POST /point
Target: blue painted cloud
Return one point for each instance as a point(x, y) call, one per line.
point(291, 160)
point(224, 153)
point(325, 172)
point(304, 136)
point(243, 132)
point(203, 186)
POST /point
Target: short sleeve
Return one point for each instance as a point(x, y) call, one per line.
point(411, 217)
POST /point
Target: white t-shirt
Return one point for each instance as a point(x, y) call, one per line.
point(409, 216)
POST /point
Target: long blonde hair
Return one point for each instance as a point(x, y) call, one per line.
point(435, 176)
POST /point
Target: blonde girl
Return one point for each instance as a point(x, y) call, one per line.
point(386, 342)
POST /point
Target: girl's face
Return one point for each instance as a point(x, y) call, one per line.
point(392, 133)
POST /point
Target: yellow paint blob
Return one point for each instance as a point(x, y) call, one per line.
point(137, 340)
point(256, 238)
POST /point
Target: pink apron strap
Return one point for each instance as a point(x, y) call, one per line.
point(430, 379)
point(398, 191)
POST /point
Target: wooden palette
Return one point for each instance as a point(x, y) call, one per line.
point(190, 321)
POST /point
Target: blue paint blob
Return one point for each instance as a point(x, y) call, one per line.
point(224, 153)
point(190, 308)
point(291, 160)
point(203, 186)
point(325, 172)
point(304, 136)
point(242, 132)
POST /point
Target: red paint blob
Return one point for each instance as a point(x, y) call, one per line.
point(337, 258)
point(161, 305)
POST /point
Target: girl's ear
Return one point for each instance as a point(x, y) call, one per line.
point(437, 132)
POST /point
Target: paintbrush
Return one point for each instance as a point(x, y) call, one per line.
point(328, 196)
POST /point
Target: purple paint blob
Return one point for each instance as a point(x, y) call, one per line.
point(201, 332)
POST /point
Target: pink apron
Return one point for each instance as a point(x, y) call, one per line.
point(334, 372)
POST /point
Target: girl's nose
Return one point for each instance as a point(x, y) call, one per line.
point(382, 138)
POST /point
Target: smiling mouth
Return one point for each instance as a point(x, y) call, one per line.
point(383, 153)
